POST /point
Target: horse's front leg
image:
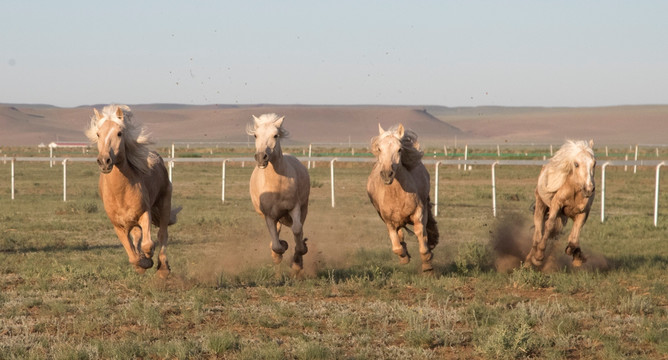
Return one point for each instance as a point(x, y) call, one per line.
point(124, 236)
point(419, 226)
point(300, 243)
point(550, 223)
point(573, 247)
point(398, 245)
point(278, 247)
point(539, 224)
point(145, 243)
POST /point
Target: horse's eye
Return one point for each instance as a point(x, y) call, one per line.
point(255, 136)
point(119, 134)
point(98, 134)
point(399, 151)
point(276, 136)
point(577, 165)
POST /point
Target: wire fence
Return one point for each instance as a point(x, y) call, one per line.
point(463, 165)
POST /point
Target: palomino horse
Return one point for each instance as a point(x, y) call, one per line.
point(565, 190)
point(279, 187)
point(134, 185)
point(398, 187)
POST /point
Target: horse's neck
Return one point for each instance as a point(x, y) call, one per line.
point(121, 175)
point(277, 160)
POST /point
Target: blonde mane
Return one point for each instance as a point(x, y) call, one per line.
point(560, 165)
point(266, 119)
point(135, 136)
point(411, 154)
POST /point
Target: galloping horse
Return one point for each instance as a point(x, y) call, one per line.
point(134, 185)
point(398, 188)
point(279, 187)
point(565, 190)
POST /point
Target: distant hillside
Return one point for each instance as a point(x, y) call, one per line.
point(174, 122)
point(23, 124)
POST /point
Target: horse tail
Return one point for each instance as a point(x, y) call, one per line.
point(172, 215)
point(432, 229)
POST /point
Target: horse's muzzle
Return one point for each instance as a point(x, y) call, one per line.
point(105, 164)
point(387, 176)
point(589, 192)
point(262, 159)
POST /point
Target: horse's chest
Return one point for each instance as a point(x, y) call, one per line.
point(396, 204)
point(124, 207)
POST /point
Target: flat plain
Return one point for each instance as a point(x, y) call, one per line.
point(67, 291)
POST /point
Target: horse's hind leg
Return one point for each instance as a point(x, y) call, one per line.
point(165, 214)
point(398, 245)
point(419, 228)
point(300, 243)
point(278, 247)
point(573, 247)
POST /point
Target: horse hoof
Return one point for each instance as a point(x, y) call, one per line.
point(427, 268)
point(297, 266)
point(403, 260)
point(145, 263)
point(537, 263)
point(277, 257)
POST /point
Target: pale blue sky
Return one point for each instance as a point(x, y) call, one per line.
point(452, 53)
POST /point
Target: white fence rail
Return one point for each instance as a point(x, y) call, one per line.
point(437, 163)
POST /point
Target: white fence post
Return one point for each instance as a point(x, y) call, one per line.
point(13, 161)
point(171, 166)
point(494, 189)
point(331, 171)
point(656, 194)
point(65, 180)
point(603, 191)
point(222, 197)
point(438, 163)
point(636, 159)
point(51, 156)
point(309, 156)
point(466, 156)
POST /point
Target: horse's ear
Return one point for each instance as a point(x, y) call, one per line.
point(279, 122)
point(119, 113)
point(591, 143)
point(97, 114)
point(400, 130)
point(255, 120)
point(380, 129)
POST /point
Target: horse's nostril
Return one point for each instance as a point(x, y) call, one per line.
point(390, 174)
point(265, 156)
point(108, 161)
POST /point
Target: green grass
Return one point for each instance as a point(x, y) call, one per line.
point(67, 291)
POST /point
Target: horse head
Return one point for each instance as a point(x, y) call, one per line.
point(267, 130)
point(583, 168)
point(387, 147)
point(110, 139)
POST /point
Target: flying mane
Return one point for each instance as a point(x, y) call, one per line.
point(136, 137)
point(411, 154)
point(266, 119)
point(559, 166)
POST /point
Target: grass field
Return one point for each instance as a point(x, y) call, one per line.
point(67, 291)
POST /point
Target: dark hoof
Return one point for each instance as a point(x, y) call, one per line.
point(145, 263)
point(403, 260)
point(427, 268)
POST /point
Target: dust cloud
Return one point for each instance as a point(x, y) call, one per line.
point(511, 243)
